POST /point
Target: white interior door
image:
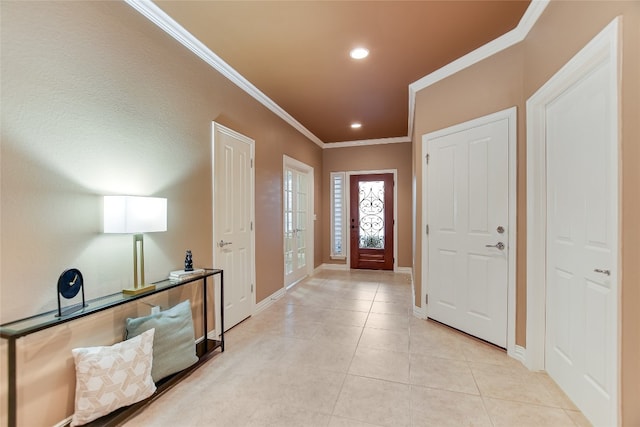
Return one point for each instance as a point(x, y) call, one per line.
point(233, 186)
point(297, 220)
point(581, 344)
point(469, 227)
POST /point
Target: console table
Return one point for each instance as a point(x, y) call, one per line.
point(13, 331)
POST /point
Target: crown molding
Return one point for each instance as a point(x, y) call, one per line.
point(531, 15)
point(342, 144)
point(156, 15)
point(528, 20)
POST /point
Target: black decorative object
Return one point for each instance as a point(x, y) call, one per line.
point(70, 283)
point(188, 261)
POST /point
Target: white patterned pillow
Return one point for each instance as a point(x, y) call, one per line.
point(108, 378)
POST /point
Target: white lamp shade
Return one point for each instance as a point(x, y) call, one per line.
point(131, 214)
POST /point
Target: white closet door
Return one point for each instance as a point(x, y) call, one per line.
point(581, 303)
point(468, 217)
point(233, 228)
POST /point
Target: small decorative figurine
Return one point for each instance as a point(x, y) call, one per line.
point(188, 261)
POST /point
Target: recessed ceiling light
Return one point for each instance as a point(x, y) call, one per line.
point(359, 53)
point(356, 125)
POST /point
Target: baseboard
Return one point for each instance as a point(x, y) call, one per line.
point(325, 266)
point(295, 283)
point(344, 267)
point(520, 354)
point(265, 303)
point(420, 312)
point(64, 422)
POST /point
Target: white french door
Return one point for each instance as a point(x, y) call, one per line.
point(297, 214)
point(471, 231)
point(234, 238)
point(573, 119)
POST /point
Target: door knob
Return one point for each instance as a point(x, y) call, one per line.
point(222, 243)
point(498, 245)
point(607, 272)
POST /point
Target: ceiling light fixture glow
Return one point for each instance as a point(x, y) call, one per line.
point(359, 53)
point(356, 125)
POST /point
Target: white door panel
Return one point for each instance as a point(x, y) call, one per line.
point(581, 230)
point(297, 211)
point(233, 213)
point(468, 199)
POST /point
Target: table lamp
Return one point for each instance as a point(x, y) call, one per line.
point(135, 215)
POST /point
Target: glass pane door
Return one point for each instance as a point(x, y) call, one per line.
point(296, 219)
point(371, 214)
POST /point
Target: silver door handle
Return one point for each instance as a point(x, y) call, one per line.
point(607, 272)
point(498, 245)
point(222, 243)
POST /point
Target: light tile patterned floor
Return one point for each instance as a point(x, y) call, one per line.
point(342, 348)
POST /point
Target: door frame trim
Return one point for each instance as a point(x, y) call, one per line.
point(305, 168)
point(347, 202)
point(252, 212)
point(603, 47)
point(511, 115)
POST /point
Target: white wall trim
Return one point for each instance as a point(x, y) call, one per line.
point(64, 423)
point(405, 270)
point(156, 15)
point(420, 312)
point(177, 31)
point(511, 115)
point(519, 353)
point(530, 17)
point(338, 267)
point(359, 143)
point(268, 301)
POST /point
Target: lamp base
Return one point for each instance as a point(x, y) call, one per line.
point(139, 290)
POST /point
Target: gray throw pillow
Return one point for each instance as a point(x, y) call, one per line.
point(174, 347)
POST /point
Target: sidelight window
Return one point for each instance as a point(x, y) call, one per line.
point(338, 213)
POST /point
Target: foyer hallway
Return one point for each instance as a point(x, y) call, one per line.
point(342, 348)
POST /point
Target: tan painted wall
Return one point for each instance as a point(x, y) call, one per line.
point(97, 100)
point(493, 84)
point(375, 157)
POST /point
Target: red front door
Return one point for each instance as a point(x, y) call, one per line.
point(371, 221)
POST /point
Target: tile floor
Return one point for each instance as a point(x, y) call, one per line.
point(343, 349)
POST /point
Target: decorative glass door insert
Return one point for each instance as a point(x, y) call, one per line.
point(371, 221)
point(371, 214)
